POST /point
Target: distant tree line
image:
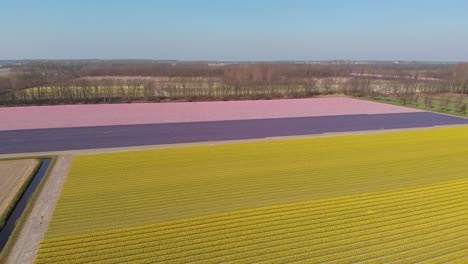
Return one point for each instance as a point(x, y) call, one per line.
point(67, 82)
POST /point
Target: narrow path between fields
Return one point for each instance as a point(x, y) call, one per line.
point(33, 229)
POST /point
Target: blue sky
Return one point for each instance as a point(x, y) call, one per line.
point(235, 29)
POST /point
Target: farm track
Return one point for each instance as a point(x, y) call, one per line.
point(232, 204)
point(26, 242)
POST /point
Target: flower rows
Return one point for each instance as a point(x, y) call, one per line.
point(372, 198)
point(357, 228)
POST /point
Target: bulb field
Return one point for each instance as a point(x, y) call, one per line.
point(388, 197)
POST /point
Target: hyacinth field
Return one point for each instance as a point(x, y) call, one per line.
point(76, 127)
point(43, 117)
point(397, 197)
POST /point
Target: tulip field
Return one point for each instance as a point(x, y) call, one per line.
point(387, 197)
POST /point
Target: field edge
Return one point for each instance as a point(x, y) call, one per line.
point(4, 254)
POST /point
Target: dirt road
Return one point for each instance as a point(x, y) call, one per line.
point(32, 231)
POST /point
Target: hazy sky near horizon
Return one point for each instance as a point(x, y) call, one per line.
point(235, 29)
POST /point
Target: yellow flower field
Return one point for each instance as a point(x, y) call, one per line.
point(377, 198)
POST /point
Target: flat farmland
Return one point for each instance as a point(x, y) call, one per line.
point(66, 116)
point(61, 139)
point(14, 175)
point(376, 198)
point(76, 127)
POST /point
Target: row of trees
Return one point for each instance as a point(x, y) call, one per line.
point(60, 82)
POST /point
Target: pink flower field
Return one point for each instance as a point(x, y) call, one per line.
point(34, 117)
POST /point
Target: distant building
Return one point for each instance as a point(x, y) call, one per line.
point(216, 64)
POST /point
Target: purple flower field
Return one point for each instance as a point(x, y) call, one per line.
point(54, 139)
